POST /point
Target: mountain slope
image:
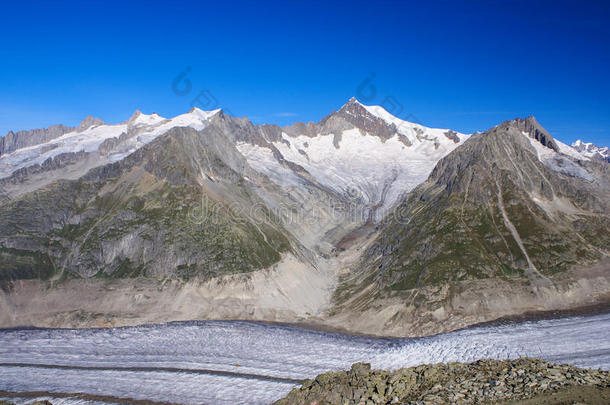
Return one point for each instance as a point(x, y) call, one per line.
point(22, 139)
point(162, 210)
point(492, 208)
point(361, 221)
point(504, 207)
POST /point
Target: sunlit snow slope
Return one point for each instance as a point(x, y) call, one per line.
point(370, 155)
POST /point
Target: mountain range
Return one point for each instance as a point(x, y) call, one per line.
point(360, 222)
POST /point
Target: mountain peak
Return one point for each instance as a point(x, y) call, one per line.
point(591, 150)
point(534, 130)
point(578, 143)
point(88, 122)
point(134, 116)
point(204, 113)
point(351, 104)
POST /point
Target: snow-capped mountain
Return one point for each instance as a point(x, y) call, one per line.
point(111, 142)
point(591, 150)
point(362, 221)
point(360, 151)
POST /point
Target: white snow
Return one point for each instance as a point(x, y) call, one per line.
point(262, 160)
point(409, 128)
point(146, 129)
point(590, 150)
point(560, 162)
point(569, 151)
point(363, 166)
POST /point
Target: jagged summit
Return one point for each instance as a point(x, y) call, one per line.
point(353, 101)
point(88, 122)
point(591, 150)
point(534, 130)
point(138, 118)
point(134, 116)
point(26, 138)
point(113, 141)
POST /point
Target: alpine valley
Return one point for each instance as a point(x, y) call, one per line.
point(361, 222)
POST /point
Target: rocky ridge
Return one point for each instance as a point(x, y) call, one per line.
point(484, 381)
point(22, 139)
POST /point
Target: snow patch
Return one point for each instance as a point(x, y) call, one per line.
point(364, 167)
point(262, 160)
point(410, 129)
point(559, 162)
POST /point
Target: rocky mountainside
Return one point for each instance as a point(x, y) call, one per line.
point(505, 203)
point(179, 205)
point(361, 221)
point(104, 197)
point(511, 205)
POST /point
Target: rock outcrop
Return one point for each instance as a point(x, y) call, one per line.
point(88, 122)
point(481, 382)
point(21, 139)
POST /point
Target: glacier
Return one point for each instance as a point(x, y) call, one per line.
point(240, 362)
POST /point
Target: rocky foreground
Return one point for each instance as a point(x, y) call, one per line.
point(521, 381)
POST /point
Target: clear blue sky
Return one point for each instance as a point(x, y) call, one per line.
point(462, 66)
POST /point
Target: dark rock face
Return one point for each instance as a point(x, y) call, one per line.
point(351, 115)
point(88, 122)
point(484, 381)
point(21, 139)
point(453, 136)
point(355, 114)
point(535, 130)
point(54, 163)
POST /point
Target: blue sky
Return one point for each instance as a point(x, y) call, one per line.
point(445, 64)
